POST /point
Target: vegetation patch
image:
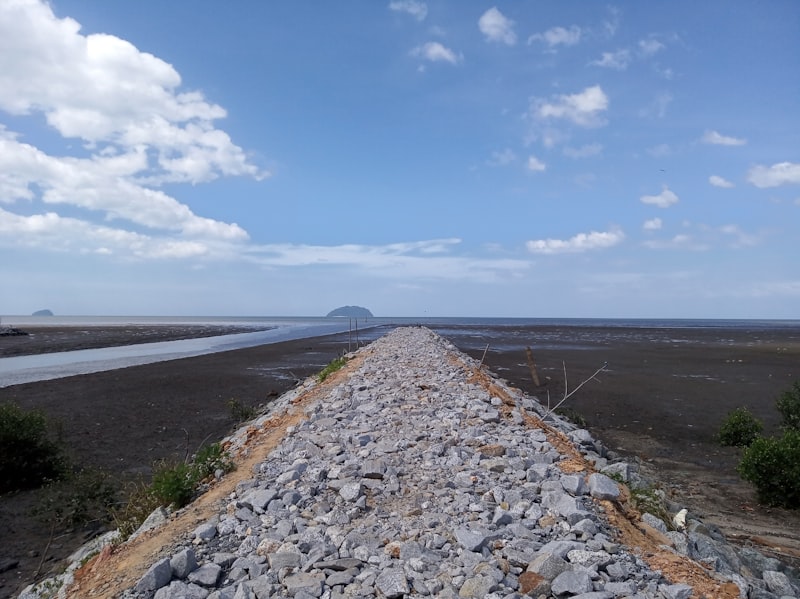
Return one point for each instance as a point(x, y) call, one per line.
point(239, 411)
point(173, 484)
point(739, 429)
point(29, 456)
point(788, 405)
point(336, 364)
point(772, 464)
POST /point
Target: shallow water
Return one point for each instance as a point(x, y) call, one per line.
point(40, 367)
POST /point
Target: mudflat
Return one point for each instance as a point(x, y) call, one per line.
point(659, 398)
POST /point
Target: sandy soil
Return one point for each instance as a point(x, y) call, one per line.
point(660, 399)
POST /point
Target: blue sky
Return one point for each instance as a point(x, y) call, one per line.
point(459, 158)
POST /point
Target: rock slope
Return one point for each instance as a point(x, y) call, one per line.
point(418, 475)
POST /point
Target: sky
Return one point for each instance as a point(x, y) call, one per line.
point(442, 158)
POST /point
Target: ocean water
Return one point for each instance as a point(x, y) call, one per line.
point(509, 334)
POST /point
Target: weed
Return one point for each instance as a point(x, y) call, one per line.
point(572, 415)
point(140, 504)
point(241, 412)
point(336, 364)
point(208, 460)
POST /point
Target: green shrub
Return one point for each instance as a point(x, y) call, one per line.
point(28, 456)
point(173, 484)
point(788, 405)
point(739, 429)
point(241, 412)
point(773, 466)
point(572, 415)
point(140, 504)
point(208, 460)
point(81, 497)
point(336, 364)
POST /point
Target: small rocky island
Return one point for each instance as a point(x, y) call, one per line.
point(43, 313)
point(351, 312)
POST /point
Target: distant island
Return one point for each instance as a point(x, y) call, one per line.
point(351, 312)
point(43, 313)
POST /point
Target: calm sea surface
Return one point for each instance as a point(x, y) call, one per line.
point(465, 332)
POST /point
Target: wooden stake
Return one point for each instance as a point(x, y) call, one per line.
point(532, 366)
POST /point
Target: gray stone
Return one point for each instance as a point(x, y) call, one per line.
point(305, 582)
point(470, 539)
point(350, 491)
point(655, 522)
point(573, 484)
point(778, 583)
point(618, 469)
point(392, 583)
point(477, 587)
point(373, 469)
point(156, 577)
point(182, 563)
point(180, 590)
point(206, 575)
point(572, 582)
point(602, 487)
point(548, 565)
point(206, 531)
point(676, 591)
point(258, 499)
point(284, 559)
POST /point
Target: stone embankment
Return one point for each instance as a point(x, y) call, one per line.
point(413, 473)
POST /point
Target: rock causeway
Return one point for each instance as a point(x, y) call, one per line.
point(414, 472)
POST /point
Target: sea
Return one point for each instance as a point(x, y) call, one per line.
point(470, 333)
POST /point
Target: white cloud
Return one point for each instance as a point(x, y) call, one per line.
point(421, 260)
point(654, 224)
point(584, 151)
point(502, 158)
point(715, 138)
point(740, 238)
point(497, 27)
point(583, 108)
point(558, 36)
point(680, 241)
point(650, 46)
point(103, 90)
point(100, 184)
point(535, 165)
point(418, 10)
point(782, 173)
point(718, 181)
point(663, 200)
point(436, 52)
point(619, 60)
point(581, 242)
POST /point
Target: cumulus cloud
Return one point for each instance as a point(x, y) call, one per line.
point(663, 200)
point(717, 139)
point(718, 181)
point(582, 242)
point(654, 224)
point(535, 165)
point(103, 90)
point(584, 151)
point(436, 52)
point(139, 130)
point(583, 109)
point(558, 36)
point(782, 173)
point(619, 60)
point(418, 10)
point(497, 27)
